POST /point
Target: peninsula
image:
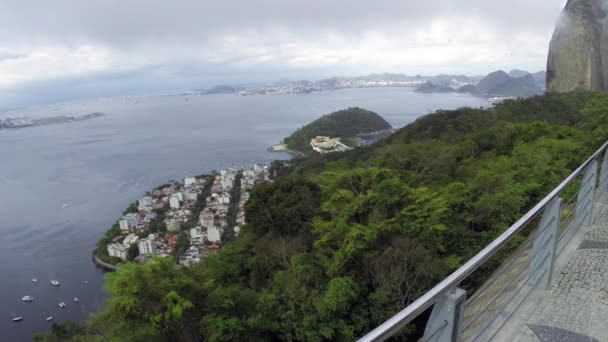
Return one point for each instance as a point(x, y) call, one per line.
point(338, 131)
point(24, 121)
point(187, 220)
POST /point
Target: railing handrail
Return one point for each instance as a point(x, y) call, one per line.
point(405, 316)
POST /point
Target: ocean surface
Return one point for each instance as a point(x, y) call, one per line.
point(63, 185)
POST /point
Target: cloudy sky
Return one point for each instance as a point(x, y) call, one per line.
point(64, 49)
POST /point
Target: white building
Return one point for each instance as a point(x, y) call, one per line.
point(118, 250)
point(189, 181)
point(149, 216)
point(196, 233)
point(146, 245)
point(145, 203)
point(190, 196)
point(206, 218)
point(174, 202)
point(172, 225)
point(180, 196)
point(326, 145)
point(128, 221)
point(214, 234)
point(223, 199)
point(129, 240)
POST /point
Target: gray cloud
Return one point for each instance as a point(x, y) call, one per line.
point(42, 41)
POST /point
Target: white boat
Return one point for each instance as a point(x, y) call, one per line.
point(50, 318)
point(65, 205)
point(86, 281)
point(55, 282)
point(17, 319)
point(34, 280)
point(62, 305)
point(27, 298)
point(76, 299)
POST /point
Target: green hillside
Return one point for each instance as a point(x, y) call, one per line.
point(340, 242)
point(345, 123)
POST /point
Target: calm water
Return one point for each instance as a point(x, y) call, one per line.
point(101, 165)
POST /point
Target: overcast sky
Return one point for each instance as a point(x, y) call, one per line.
point(62, 49)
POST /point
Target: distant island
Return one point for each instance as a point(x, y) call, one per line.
point(338, 131)
point(23, 122)
point(430, 87)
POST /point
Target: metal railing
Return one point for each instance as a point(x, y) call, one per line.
point(529, 267)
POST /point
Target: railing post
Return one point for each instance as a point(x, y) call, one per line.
point(604, 173)
point(545, 246)
point(445, 323)
point(584, 201)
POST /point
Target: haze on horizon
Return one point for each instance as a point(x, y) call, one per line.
point(73, 49)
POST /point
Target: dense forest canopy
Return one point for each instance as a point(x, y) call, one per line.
point(347, 123)
point(339, 243)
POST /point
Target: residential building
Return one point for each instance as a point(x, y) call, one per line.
point(174, 202)
point(206, 218)
point(189, 181)
point(146, 246)
point(128, 221)
point(118, 250)
point(130, 239)
point(214, 234)
point(145, 203)
point(196, 233)
point(172, 225)
point(190, 196)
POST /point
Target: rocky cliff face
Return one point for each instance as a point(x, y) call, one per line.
point(578, 54)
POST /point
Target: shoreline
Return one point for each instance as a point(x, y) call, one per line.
point(283, 148)
point(102, 264)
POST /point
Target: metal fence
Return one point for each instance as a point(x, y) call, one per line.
point(541, 242)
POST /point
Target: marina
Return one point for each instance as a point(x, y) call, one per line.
point(30, 299)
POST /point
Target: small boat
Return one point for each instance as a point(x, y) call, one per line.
point(50, 318)
point(27, 299)
point(76, 299)
point(62, 305)
point(34, 280)
point(86, 281)
point(17, 319)
point(55, 282)
point(65, 205)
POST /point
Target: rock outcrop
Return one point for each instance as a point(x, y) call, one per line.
point(578, 54)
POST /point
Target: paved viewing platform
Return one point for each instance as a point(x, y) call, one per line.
point(575, 308)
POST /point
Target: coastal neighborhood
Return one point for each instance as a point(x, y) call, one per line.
point(188, 220)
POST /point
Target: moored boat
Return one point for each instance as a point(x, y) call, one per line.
point(17, 319)
point(50, 318)
point(34, 280)
point(76, 299)
point(27, 298)
point(62, 305)
point(54, 282)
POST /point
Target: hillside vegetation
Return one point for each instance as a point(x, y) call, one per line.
point(345, 123)
point(340, 242)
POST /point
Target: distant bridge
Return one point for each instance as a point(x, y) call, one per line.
point(554, 287)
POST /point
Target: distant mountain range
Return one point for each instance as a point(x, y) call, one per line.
point(515, 83)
